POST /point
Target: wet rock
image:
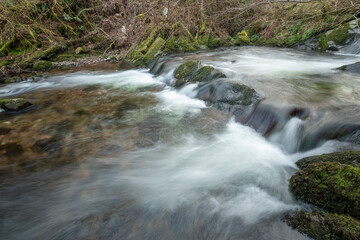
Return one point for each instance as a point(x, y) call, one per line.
point(47, 144)
point(347, 157)
point(186, 71)
point(331, 131)
point(324, 226)
point(14, 105)
point(329, 185)
point(11, 149)
point(298, 112)
point(263, 119)
point(228, 96)
point(352, 68)
point(42, 65)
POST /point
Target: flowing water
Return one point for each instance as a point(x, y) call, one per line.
point(122, 154)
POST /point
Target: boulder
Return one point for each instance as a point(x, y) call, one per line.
point(227, 95)
point(324, 226)
point(14, 105)
point(330, 185)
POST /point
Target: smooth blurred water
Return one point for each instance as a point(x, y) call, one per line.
point(150, 171)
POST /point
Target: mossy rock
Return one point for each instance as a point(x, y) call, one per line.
point(137, 53)
point(206, 74)
point(348, 157)
point(192, 72)
point(187, 70)
point(80, 50)
point(154, 51)
point(42, 65)
point(14, 105)
point(338, 36)
point(325, 226)
point(329, 185)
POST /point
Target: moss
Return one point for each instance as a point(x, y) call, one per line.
point(329, 185)
point(180, 44)
point(66, 57)
point(186, 70)
point(6, 63)
point(242, 38)
point(206, 74)
point(14, 104)
point(339, 36)
point(44, 54)
point(42, 65)
point(325, 226)
point(136, 54)
point(348, 157)
point(154, 50)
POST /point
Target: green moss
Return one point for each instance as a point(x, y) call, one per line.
point(66, 57)
point(348, 157)
point(186, 70)
point(206, 74)
point(154, 51)
point(339, 36)
point(42, 65)
point(6, 63)
point(44, 54)
point(329, 185)
point(242, 38)
point(180, 44)
point(325, 226)
point(137, 53)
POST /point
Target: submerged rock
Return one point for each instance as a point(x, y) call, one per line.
point(347, 132)
point(11, 149)
point(330, 185)
point(348, 157)
point(14, 105)
point(352, 68)
point(324, 226)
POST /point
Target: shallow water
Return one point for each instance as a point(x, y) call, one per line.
point(147, 161)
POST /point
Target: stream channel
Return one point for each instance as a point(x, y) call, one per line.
point(120, 153)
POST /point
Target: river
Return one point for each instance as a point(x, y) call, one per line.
point(121, 154)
